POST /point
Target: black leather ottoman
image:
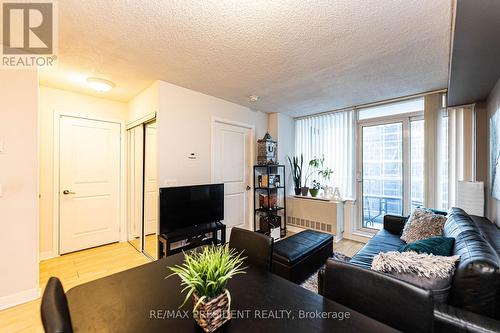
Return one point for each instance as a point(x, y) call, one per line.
point(296, 257)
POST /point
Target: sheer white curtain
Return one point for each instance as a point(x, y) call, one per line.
point(332, 136)
point(461, 160)
point(436, 152)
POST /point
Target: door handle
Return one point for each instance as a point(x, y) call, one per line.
point(248, 188)
point(66, 192)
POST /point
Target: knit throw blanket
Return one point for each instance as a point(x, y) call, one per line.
point(422, 264)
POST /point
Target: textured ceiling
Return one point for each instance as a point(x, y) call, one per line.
point(300, 57)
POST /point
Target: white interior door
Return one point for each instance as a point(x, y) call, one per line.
point(150, 182)
point(89, 190)
point(232, 167)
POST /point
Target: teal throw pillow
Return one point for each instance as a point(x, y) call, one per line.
point(439, 246)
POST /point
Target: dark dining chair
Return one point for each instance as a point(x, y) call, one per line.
point(257, 247)
point(380, 296)
point(55, 311)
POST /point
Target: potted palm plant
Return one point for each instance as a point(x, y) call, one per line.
point(204, 275)
point(296, 168)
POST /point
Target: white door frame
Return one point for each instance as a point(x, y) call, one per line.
point(216, 120)
point(56, 199)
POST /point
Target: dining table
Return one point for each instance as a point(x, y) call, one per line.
point(143, 300)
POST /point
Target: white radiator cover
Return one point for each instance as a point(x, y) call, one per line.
point(470, 197)
point(324, 216)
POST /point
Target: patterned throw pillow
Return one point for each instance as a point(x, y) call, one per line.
point(423, 224)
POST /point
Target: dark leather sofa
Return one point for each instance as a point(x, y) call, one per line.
point(474, 300)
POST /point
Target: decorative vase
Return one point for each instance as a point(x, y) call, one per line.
point(297, 191)
point(210, 314)
point(314, 192)
point(327, 192)
point(304, 190)
point(336, 195)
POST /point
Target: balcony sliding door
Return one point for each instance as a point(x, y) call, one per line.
point(390, 167)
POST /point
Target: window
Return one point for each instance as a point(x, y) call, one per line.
point(331, 136)
point(397, 108)
point(390, 157)
point(391, 161)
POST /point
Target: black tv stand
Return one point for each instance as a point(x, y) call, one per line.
point(194, 235)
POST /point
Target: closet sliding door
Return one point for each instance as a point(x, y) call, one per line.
point(135, 147)
point(143, 193)
point(151, 192)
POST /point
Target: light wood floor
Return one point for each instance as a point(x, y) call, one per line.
point(72, 269)
point(348, 247)
point(79, 267)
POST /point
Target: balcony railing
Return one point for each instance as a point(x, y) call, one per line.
point(376, 206)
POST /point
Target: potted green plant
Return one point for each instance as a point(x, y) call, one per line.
point(325, 174)
point(312, 167)
point(296, 168)
point(204, 275)
point(317, 167)
point(316, 186)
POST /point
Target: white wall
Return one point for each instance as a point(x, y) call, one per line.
point(185, 126)
point(144, 103)
point(56, 100)
point(19, 180)
point(282, 129)
point(492, 204)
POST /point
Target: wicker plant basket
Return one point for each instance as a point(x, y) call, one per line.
point(211, 314)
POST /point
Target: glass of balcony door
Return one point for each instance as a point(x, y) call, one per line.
point(382, 173)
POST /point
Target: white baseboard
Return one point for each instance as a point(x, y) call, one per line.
point(294, 229)
point(46, 255)
point(362, 238)
point(19, 298)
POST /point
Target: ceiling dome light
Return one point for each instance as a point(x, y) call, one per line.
point(100, 85)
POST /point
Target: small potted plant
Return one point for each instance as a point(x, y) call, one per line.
point(296, 168)
point(326, 174)
point(204, 275)
point(316, 186)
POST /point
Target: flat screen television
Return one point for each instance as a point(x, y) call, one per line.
point(186, 206)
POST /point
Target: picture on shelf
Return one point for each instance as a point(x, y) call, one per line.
point(277, 180)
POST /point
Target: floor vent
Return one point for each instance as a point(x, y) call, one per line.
point(308, 224)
